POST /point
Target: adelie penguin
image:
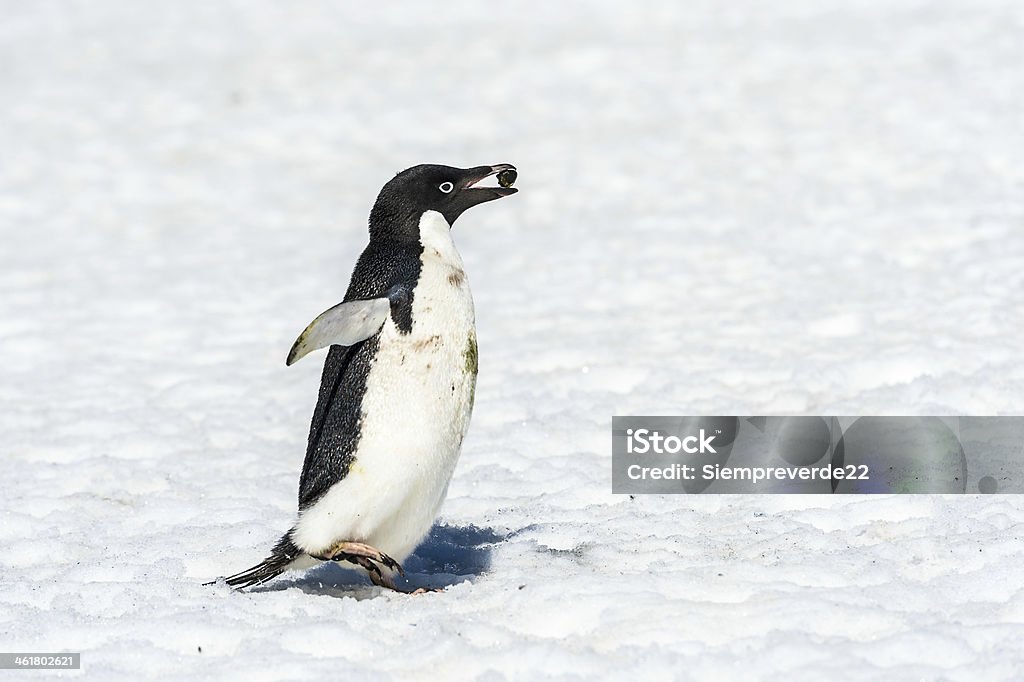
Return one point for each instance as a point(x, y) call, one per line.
point(397, 387)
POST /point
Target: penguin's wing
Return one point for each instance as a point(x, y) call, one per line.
point(346, 324)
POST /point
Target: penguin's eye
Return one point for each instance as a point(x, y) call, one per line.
point(446, 187)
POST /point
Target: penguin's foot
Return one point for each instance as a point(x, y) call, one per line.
point(427, 590)
point(381, 580)
point(371, 559)
point(354, 552)
point(376, 577)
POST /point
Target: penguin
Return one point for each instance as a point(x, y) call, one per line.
point(398, 383)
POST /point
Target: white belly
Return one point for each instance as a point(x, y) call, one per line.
point(415, 413)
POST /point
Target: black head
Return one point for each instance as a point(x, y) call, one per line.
point(414, 191)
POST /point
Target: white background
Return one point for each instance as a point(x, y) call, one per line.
point(725, 208)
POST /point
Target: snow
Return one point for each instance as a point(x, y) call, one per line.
point(748, 208)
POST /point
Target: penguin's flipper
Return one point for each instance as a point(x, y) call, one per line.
point(346, 324)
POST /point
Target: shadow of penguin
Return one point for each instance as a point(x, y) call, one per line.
point(450, 555)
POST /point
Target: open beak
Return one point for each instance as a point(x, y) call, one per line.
point(469, 194)
point(475, 175)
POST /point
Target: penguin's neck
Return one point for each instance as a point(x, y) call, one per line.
point(436, 238)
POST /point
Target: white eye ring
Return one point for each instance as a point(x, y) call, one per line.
point(446, 187)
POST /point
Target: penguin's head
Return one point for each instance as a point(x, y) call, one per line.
point(446, 190)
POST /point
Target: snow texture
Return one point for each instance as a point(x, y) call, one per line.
point(803, 206)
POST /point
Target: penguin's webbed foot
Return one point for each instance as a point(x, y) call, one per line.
point(371, 559)
point(354, 552)
point(427, 590)
point(381, 580)
point(376, 576)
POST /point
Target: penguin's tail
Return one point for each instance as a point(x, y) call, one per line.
point(281, 558)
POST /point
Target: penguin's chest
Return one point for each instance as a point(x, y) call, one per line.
point(420, 388)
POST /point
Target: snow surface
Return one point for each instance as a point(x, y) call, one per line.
point(804, 206)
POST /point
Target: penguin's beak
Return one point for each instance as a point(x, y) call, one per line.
point(471, 176)
point(469, 195)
